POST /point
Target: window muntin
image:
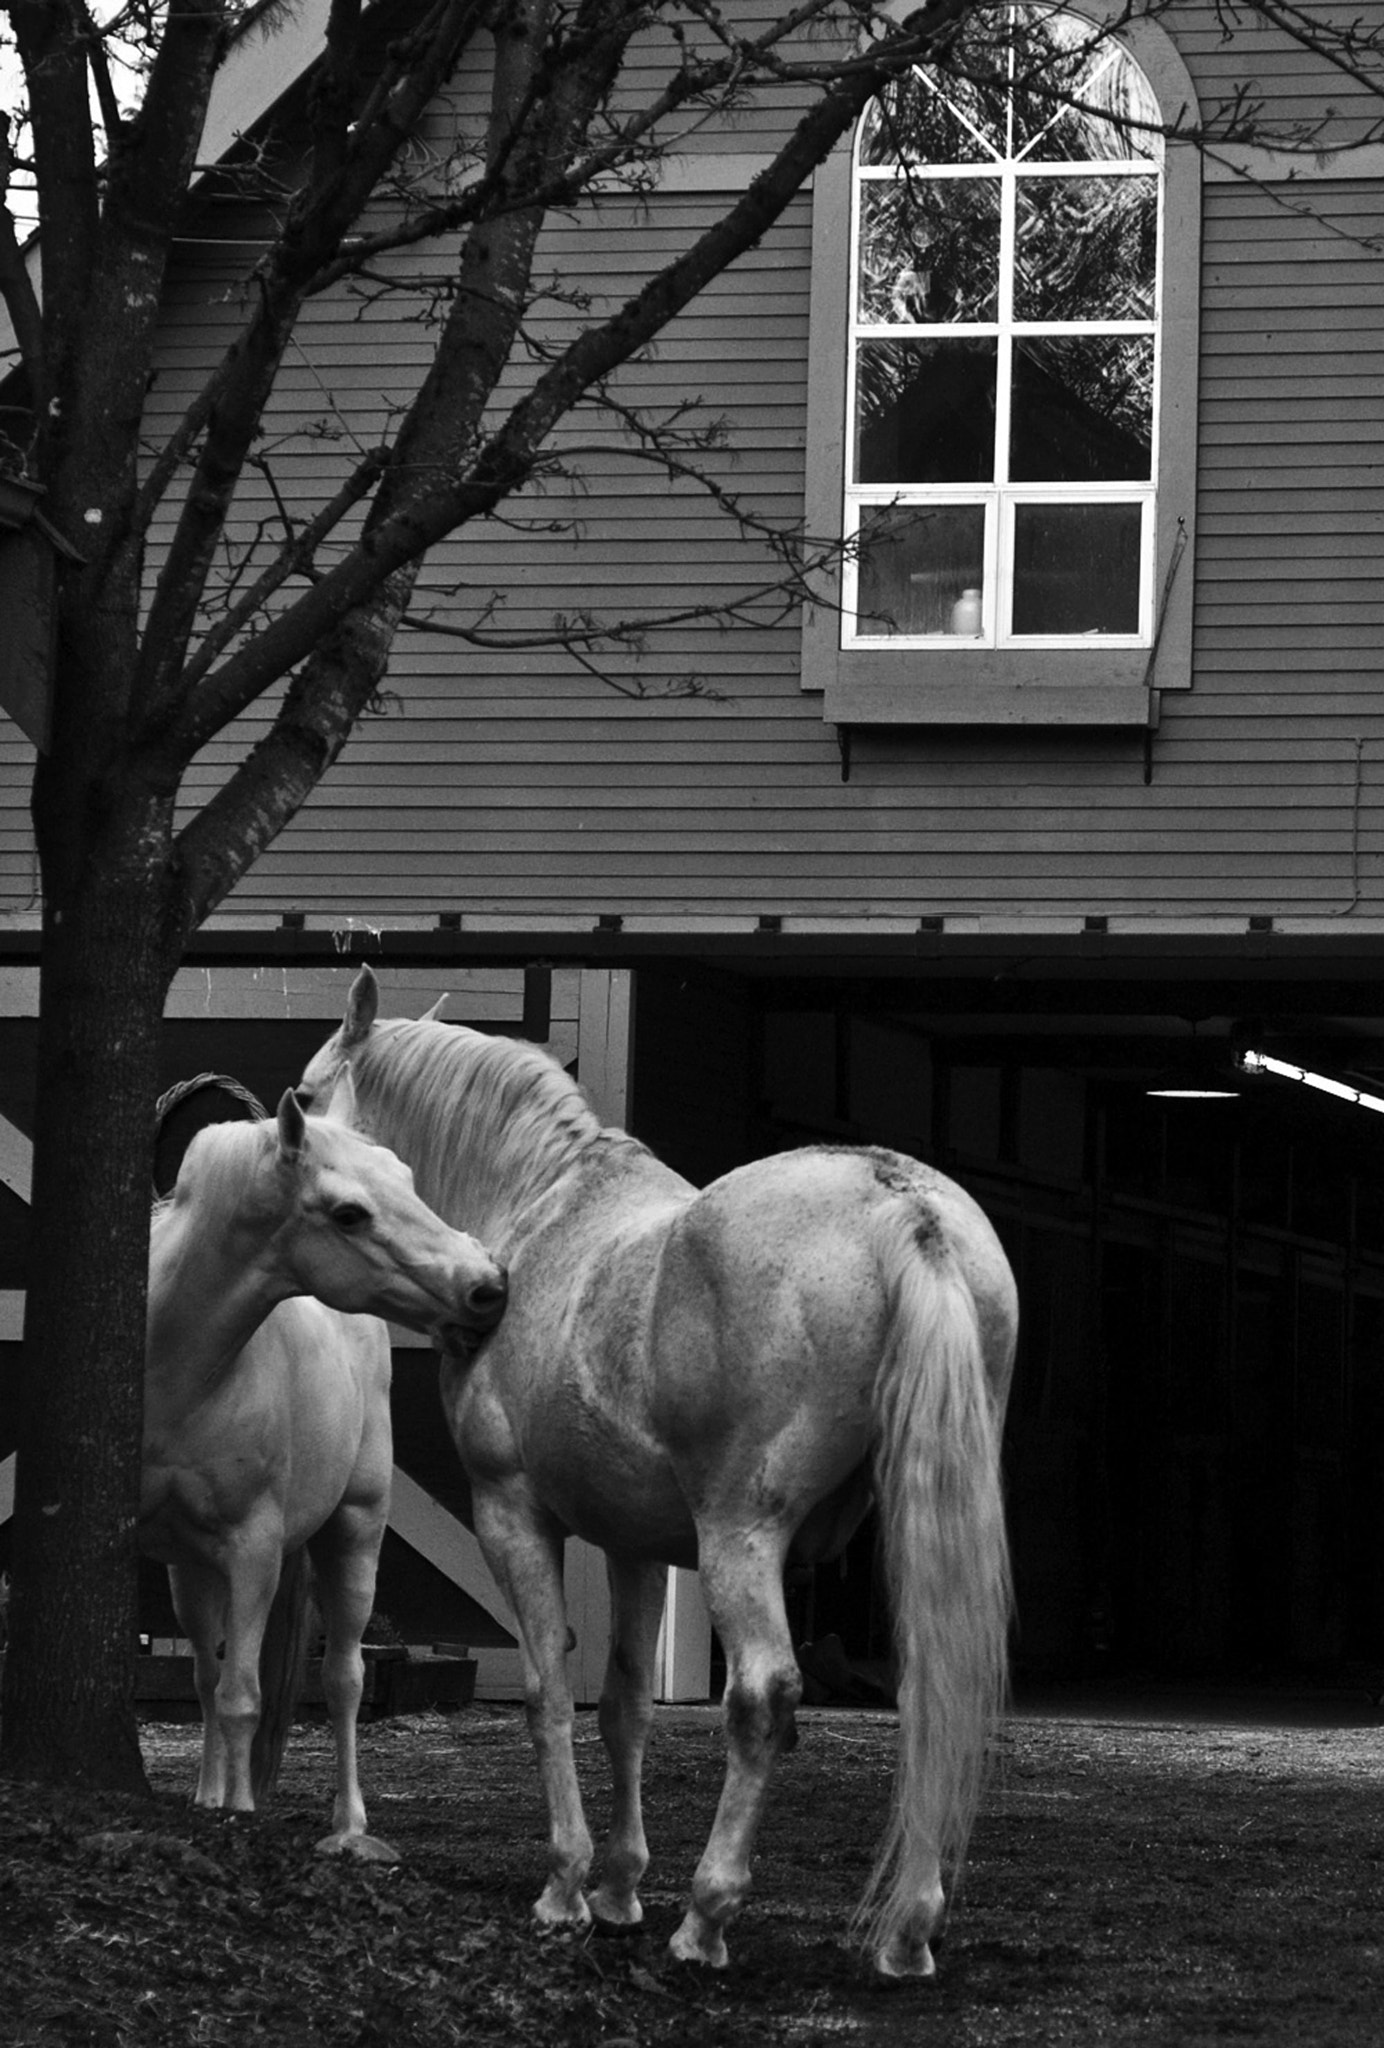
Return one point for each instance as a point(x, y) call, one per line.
point(1003, 357)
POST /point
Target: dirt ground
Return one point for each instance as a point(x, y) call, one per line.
point(1143, 1878)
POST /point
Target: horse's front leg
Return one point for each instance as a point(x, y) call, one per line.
point(345, 1556)
point(743, 1582)
point(637, 1593)
point(199, 1603)
point(523, 1548)
point(254, 1575)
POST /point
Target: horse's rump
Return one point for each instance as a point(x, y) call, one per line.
point(779, 1287)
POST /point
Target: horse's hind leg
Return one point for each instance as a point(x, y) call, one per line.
point(345, 1554)
point(637, 1593)
point(743, 1583)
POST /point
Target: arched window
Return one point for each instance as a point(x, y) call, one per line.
point(1004, 407)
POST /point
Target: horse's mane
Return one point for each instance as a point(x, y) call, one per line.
point(218, 1162)
point(486, 1123)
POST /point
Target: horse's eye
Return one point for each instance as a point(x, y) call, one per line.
point(350, 1216)
point(306, 1097)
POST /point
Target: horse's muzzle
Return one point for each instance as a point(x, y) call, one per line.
point(482, 1304)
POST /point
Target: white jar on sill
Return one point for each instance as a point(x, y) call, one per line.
point(966, 615)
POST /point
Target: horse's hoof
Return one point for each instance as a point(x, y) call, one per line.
point(691, 1945)
point(905, 1962)
point(612, 1915)
point(551, 1916)
point(368, 1848)
point(617, 1930)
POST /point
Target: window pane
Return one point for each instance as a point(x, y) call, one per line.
point(1109, 113)
point(1086, 248)
point(1076, 568)
point(1083, 409)
point(925, 412)
point(915, 562)
point(911, 122)
point(929, 249)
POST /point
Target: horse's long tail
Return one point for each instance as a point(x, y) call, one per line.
point(937, 1481)
point(283, 1665)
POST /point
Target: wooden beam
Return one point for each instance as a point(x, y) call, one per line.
point(447, 1544)
point(269, 990)
point(16, 1160)
point(682, 1661)
point(450, 1547)
point(604, 1041)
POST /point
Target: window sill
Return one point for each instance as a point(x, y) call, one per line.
point(980, 688)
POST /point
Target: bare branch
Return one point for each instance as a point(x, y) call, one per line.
point(296, 558)
point(226, 416)
point(433, 505)
point(100, 74)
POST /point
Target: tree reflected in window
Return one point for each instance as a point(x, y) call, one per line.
point(1002, 417)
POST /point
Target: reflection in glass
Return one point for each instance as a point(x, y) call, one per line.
point(1086, 248)
point(925, 412)
point(968, 385)
point(1076, 568)
point(912, 122)
point(1093, 106)
point(1082, 409)
point(1077, 98)
point(929, 249)
point(915, 561)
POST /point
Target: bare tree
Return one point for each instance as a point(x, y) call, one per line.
point(159, 648)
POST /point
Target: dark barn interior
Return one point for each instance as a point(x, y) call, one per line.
point(1194, 1437)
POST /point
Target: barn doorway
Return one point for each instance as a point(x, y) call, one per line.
point(1197, 1424)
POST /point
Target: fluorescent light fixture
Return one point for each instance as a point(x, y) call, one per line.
point(1185, 1091)
point(1251, 1062)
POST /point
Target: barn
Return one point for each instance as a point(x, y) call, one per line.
point(1056, 803)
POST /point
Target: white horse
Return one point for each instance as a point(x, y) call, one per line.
point(266, 1417)
point(718, 1379)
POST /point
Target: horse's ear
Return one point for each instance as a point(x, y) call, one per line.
point(362, 1008)
point(293, 1125)
point(343, 1103)
point(431, 1016)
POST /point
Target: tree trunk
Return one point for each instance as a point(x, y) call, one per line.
point(107, 961)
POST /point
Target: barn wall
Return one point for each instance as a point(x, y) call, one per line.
point(537, 792)
point(691, 778)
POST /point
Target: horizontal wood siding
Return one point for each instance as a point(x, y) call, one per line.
point(512, 784)
point(688, 776)
point(1247, 71)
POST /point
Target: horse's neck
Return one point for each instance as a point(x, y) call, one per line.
point(208, 1294)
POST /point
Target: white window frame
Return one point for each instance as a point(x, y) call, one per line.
point(1104, 679)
